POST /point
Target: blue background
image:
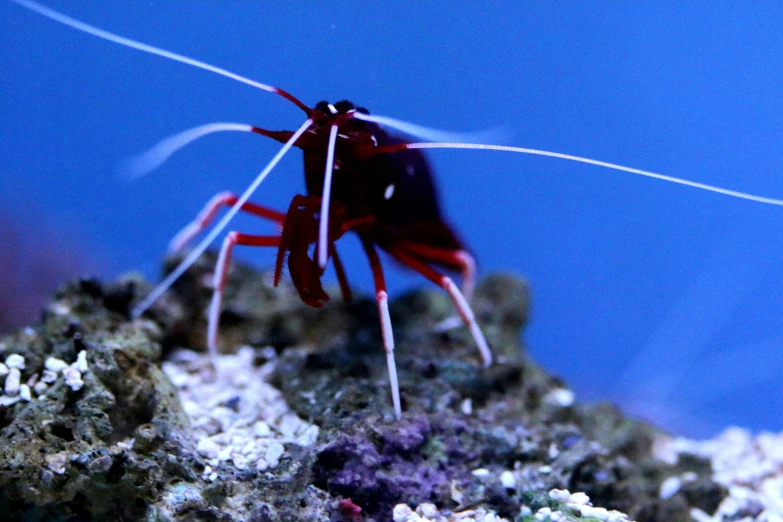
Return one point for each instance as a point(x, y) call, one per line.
point(663, 298)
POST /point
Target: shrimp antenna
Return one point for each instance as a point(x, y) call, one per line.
point(323, 225)
point(204, 244)
point(427, 133)
point(133, 44)
point(580, 159)
point(141, 165)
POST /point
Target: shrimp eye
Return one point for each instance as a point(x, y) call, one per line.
point(344, 106)
point(323, 106)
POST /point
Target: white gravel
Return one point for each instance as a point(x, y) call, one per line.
point(15, 361)
point(36, 385)
point(579, 503)
point(237, 417)
point(751, 467)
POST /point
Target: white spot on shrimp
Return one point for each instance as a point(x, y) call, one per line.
point(389, 192)
point(332, 109)
point(374, 140)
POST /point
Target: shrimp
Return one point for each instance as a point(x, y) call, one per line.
point(477, 204)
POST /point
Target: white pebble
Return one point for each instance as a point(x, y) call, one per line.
point(690, 476)
point(40, 388)
point(3, 370)
point(207, 448)
point(670, 487)
point(560, 397)
point(456, 494)
point(81, 362)
point(466, 406)
point(224, 454)
point(13, 381)
point(261, 429)
point(273, 454)
point(15, 361)
point(700, 516)
point(56, 365)
point(126, 445)
point(249, 448)
point(616, 516)
point(239, 461)
point(508, 480)
point(5, 400)
point(563, 495)
point(24, 393)
point(545, 470)
point(73, 378)
point(427, 510)
point(309, 436)
point(48, 376)
point(401, 513)
point(480, 472)
point(178, 379)
point(288, 426)
point(580, 498)
point(595, 512)
point(56, 462)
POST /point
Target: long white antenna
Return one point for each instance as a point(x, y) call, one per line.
point(579, 159)
point(198, 250)
point(427, 133)
point(134, 44)
point(153, 158)
point(323, 225)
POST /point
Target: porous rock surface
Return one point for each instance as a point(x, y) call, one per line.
point(121, 446)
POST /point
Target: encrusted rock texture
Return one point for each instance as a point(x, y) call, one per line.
point(121, 446)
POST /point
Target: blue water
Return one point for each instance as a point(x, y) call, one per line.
point(663, 298)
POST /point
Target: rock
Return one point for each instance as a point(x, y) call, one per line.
point(134, 443)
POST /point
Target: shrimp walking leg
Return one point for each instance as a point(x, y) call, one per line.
point(459, 259)
point(207, 214)
point(406, 258)
point(342, 280)
point(219, 281)
point(386, 329)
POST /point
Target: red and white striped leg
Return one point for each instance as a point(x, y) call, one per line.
point(445, 282)
point(207, 214)
point(345, 288)
point(388, 337)
point(459, 259)
point(219, 280)
point(468, 271)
